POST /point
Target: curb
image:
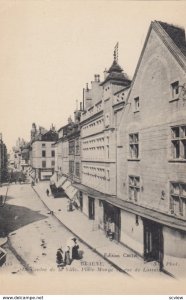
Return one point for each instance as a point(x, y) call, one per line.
point(84, 242)
point(19, 258)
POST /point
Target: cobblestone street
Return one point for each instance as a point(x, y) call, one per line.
point(35, 235)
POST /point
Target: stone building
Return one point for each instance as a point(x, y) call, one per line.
point(42, 152)
point(103, 104)
point(68, 162)
point(151, 151)
point(3, 161)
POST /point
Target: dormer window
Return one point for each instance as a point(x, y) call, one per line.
point(136, 104)
point(175, 90)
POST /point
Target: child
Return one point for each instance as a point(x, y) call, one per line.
point(59, 258)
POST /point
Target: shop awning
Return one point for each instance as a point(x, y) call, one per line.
point(69, 189)
point(142, 211)
point(53, 179)
point(32, 174)
point(60, 182)
point(71, 192)
point(66, 184)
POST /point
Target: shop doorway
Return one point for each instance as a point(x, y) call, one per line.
point(153, 242)
point(112, 221)
point(91, 208)
point(81, 200)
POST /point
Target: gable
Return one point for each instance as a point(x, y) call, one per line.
point(156, 32)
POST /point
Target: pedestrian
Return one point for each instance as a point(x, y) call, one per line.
point(47, 192)
point(68, 259)
point(75, 249)
point(68, 252)
point(60, 258)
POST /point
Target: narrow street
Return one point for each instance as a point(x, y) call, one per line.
point(34, 235)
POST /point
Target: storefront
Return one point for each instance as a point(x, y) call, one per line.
point(153, 241)
point(91, 207)
point(45, 174)
point(112, 221)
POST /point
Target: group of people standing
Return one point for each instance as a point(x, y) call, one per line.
point(66, 256)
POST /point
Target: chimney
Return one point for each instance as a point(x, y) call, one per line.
point(81, 106)
point(96, 78)
point(69, 120)
point(105, 73)
point(87, 89)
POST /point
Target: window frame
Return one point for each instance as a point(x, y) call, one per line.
point(177, 195)
point(134, 146)
point(178, 143)
point(43, 164)
point(43, 153)
point(174, 90)
point(134, 188)
point(136, 104)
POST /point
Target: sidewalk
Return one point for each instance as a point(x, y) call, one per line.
point(116, 254)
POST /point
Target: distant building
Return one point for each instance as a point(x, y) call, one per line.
point(42, 152)
point(3, 161)
point(68, 161)
point(19, 159)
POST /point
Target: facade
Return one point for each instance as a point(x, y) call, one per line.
point(68, 149)
point(42, 153)
point(151, 151)
point(3, 161)
point(67, 170)
point(103, 104)
point(129, 145)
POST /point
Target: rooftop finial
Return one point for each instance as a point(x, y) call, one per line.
point(116, 52)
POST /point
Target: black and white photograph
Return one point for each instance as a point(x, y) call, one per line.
point(92, 147)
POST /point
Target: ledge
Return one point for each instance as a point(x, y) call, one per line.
point(177, 160)
point(133, 159)
point(173, 100)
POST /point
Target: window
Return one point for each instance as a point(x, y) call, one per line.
point(43, 145)
point(53, 163)
point(43, 153)
point(175, 90)
point(43, 164)
point(134, 145)
point(71, 167)
point(53, 153)
point(77, 147)
point(71, 147)
point(77, 169)
point(134, 188)
point(136, 104)
point(178, 142)
point(178, 198)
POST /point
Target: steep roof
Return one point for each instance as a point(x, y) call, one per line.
point(173, 38)
point(177, 34)
point(116, 75)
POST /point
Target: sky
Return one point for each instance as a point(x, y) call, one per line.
point(50, 49)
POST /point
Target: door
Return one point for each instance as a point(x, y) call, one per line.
point(81, 200)
point(112, 214)
point(153, 242)
point(91, 208)
point(117, 221)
